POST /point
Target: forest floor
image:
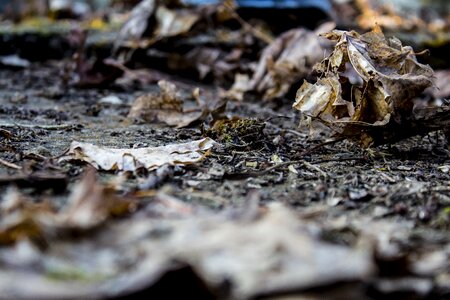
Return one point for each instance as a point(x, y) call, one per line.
point(210, 197)
point(338, 222)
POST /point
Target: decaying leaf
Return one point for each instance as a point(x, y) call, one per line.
point(165, 107)
point(131, 159)
point(284, 62)
point(380, 109)
point(89, 205)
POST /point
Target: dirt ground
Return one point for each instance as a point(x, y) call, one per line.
point(403, 187)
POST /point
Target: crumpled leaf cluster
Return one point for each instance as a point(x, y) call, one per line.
point(215, 43)
point(366, 88)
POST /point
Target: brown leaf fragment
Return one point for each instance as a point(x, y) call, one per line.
point(87, 207)
point(164, 107)
point(90, 204)
point(20, 218)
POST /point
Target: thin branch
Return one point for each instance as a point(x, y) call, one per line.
point(10, 164)
point(37, 126)
point(285, 164)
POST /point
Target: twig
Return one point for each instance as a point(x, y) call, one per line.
point(284, 164)
point(37, 126)
point(247, 26)
point(277, 117)
point(10, 165)
point(263, 172)
point(295, 132)
point(323, 144)
point(315, 168)
point(337, 159)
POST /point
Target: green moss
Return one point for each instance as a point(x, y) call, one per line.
point(237, 130)
point(74, 274)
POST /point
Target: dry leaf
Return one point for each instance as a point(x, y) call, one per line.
point(137, 23)
point(284, 62)
point(379, 110)
point(165, 107)
point(131, 159)
point(89, 205)
point(174, 22)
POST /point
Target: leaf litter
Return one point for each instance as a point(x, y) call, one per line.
point(302, 222)
point(151, 241)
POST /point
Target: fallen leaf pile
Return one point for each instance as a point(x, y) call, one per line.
point(255, 246)
point(149, 158)
point(366, 91)
point(204, 253)
point(206, 40)
point(186, 38)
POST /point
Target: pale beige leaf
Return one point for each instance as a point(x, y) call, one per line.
point(132, 159)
